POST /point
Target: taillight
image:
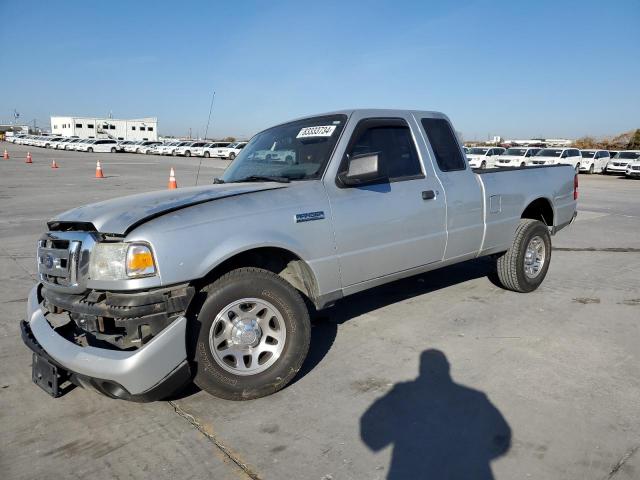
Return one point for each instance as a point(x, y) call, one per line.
point(575, 187)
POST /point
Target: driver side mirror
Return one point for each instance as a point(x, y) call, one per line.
point(363, 170)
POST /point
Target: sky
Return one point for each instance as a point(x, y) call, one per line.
point(509, 68)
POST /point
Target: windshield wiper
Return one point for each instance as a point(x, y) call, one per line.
point(263, 178)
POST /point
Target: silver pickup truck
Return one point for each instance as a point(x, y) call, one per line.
point(139, 295)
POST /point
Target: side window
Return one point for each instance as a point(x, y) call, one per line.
point(444, 144)
point(391, 140)
point(564, 154)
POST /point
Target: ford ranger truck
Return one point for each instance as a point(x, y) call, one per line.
point(139, 295)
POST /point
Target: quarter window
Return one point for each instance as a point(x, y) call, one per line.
point(444, 144)
point(78, 125)
point(150, 129)
point(142, 129)
point(391, 140)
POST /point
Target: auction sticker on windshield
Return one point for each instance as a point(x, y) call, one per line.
point(319, 131)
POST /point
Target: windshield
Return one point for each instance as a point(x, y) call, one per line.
point(628, 155)
point(478, 151)
point(587, 154)
point(297, 150)
point(518, 152)
point(549, 152)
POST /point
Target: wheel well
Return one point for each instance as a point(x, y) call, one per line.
point(277, 260)
point(539, 209)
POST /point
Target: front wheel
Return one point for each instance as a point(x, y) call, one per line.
point(90, 150)
point(591, 169)
point(187, 153)
point(523, 267)
point(251, 335)
point(206, 155)
point(232, 156)
point(483, 165)
point(113, 149)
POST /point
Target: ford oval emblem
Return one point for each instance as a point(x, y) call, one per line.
point(48, 261)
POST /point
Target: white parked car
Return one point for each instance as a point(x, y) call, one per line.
point(516, 156)
point(484, 157)
point(147, 146)
point(187, 150)
point(71, 144)
point(633, 169)
point(85, 145)
point(557, 156)
point(122, 144)
point(48, 142)
point(59, 145)
point(230, 151)
point(619, 163)
point(167, 148)
point(594, 161)
point(208, 150)
point(103, 145)
point(131, 147)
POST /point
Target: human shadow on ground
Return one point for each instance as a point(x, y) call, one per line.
point(438, 429)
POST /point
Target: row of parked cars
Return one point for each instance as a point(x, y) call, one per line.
point(585, 161)
point(186, 148)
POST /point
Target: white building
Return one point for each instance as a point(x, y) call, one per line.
point(92, 127)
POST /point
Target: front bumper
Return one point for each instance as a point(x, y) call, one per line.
point(632, 173)
point(151, 372)
point(616, 169)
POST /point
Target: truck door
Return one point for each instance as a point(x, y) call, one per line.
point(464, 196)
point(390, 226)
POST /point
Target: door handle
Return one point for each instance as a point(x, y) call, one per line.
point(428, 195)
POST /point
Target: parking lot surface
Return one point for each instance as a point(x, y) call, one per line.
point(541, 385)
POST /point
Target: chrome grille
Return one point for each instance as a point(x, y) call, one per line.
point(63, 260)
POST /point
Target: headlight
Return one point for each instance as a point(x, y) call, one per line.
point(119, 261)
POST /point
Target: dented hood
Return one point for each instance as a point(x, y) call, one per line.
point(121, 215)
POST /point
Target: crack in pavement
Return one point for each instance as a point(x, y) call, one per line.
point(198, 426)
point(594, 249)
point(616, 468)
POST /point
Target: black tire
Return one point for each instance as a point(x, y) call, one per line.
point(137, 150)
point(232, 156)
point(591, 169)
point(187, 153)
point(483, 165)
point(113, 149)
point(206, 155)
point(236, 285)
point(90, 150)
point(511, 265)
point(522, 165)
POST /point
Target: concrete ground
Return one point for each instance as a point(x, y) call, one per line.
point(443, 375)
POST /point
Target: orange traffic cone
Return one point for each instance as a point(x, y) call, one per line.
point(54, 164)
point(5, 155)
point(99, 170)
point(172, 180)
point(28, 159)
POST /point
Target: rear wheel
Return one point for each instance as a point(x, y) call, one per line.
point(113, 149)
point(523, 267)
point(251, 335)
